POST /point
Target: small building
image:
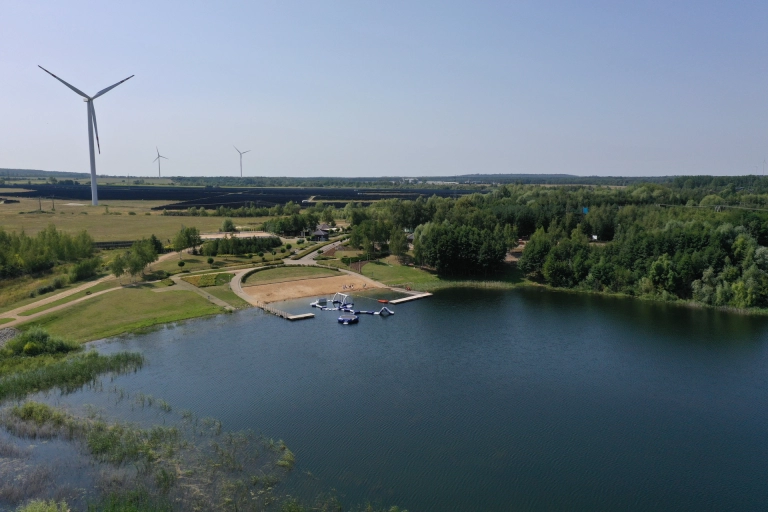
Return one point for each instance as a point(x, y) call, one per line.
point(320, 236)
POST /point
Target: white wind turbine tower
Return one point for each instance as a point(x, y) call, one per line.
point(91, 127)
point(159, 156)
point(241, 159)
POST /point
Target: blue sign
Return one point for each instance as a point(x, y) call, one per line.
point(585, 210)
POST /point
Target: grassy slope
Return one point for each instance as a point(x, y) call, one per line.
point(224, 293)
point(288, 274)
point(93, 289)
point(126, 310)
point(389, 271)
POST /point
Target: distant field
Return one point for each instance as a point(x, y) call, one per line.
point(276, 275)
point(102, 227)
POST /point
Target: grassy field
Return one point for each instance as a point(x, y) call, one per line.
point(5, 320)
point(127, 220)
point(93, 289)
point(276, 275)
point(225, 293)
point(15, 293)
point(389, 271)
point(125, 310)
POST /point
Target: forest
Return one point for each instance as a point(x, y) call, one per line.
point(701, 239)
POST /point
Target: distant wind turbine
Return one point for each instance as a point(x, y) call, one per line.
point(241, 159)
point(91, 127)
point(159, 156)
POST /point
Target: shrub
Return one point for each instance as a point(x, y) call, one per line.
point(37, 341)
point(282, 249)
point(210, 261)
point(261, 255)
point(300, 241)
point(288, 246)
point(228, 226)
point(44, 506)
point(84, 269)
point(131, 213)
point(181, 264)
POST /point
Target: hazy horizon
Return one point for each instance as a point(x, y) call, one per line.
point(398, 89)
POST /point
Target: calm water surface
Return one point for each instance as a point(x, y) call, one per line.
point(487, 400)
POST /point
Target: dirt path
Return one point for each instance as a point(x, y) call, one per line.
point(24, 319)
point(16, 313)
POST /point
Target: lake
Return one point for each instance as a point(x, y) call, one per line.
point(486, 400)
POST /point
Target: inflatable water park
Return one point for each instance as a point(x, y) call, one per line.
point(344, 303)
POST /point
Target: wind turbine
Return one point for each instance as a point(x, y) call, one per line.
point(91, 127)
point(241, 159)
point(159, 156)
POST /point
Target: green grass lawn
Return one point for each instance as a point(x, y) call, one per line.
point(125, 310)
point(93, 289)
point(5, 320)
point(389, 271)
point(275, 275)
point(224, 293)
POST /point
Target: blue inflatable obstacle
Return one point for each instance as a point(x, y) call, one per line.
point(385, 311)
point(348, 319)
point(340, 301)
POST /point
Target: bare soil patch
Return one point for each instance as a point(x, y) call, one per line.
point(308, 288)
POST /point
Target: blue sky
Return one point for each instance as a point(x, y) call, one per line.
point(364, 88)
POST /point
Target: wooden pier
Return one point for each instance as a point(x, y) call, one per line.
point(411, 297)
point(283, 314)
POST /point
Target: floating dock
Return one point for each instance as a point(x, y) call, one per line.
point(283, 314)
point(410, 298)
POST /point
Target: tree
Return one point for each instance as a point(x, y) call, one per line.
point(117, 266)
point(228, 226)
point(398, 244)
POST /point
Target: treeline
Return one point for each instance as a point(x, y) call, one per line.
point(712, 262)
point(22, 254)
point(673, 241)
point(292, 225)
point(237, 246)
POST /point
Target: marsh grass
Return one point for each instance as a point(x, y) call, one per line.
point(68, 374)
point(191, 465)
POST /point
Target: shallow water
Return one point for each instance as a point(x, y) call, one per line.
point(485, 400)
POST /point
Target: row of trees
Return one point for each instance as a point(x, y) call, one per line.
point(22, 254)
point(234, 245)
point(294, 224)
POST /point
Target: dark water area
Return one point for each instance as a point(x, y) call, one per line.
point(486, 400)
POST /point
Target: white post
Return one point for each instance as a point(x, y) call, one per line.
point(94, 192)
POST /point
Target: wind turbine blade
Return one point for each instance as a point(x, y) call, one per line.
point(161, 156)
point(78, 91)
point(95, 126)
point(156, 159)
point(103, 91)
point(237, 149)
point(244, 152)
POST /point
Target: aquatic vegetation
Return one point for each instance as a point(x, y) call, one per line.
point(191, 465)
point(66, 374)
